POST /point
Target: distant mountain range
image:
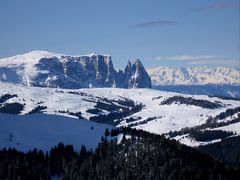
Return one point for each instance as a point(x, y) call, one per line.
point(45, 69)
point(218, 81)
point(165, 76)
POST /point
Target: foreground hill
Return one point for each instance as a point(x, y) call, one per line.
point(43, 131)
point(150, 110)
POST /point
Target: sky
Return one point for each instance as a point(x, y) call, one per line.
point(158, 32)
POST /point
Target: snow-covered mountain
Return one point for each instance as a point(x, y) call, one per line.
point(45, 69)
point(151, 110)
point(194, 76)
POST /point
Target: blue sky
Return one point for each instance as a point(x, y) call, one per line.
point(159, 32)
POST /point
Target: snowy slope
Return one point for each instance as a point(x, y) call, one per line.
point(152, 116)
point(232, 125)
point(194, 76)
point(43, 131)
point(20, 68)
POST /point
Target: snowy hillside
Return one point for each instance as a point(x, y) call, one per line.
point(194, 76)
point(151, 110)
point(45, 69)
point(43, 131)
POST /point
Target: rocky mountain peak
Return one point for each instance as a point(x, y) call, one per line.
point(137, 62)
point(44, 69)
point(136, 75)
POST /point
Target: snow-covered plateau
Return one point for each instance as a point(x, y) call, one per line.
point(147, 109)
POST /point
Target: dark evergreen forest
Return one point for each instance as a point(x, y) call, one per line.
point(227, 151)
point(142, 156)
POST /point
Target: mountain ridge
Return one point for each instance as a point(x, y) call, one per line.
point(45, 69)
point(162, 76)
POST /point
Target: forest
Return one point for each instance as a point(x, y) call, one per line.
point(139, 155)
point(227, 150)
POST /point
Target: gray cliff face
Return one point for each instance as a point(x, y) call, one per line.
point(135, 75)
point(79, 72)
point(94, 71)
